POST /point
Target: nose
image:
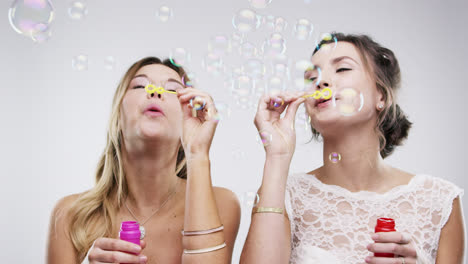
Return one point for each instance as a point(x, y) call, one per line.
point(323, 84)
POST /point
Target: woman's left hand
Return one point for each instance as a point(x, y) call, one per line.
point(200, 119)
point(392, 242)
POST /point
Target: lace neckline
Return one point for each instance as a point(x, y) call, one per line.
point(367, 195)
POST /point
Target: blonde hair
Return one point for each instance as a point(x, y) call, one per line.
point(93, 214)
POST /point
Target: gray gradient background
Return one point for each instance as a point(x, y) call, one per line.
point(54, 118)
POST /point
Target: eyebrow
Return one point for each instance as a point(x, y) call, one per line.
point(168, 80)
point(338, 59)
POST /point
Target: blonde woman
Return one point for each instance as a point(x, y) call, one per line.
point(155, 170)
point(328, 215)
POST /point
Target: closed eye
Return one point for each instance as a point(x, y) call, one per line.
point(343, 69)
point(138, 86)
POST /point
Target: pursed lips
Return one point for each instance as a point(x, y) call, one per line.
point(153, 108)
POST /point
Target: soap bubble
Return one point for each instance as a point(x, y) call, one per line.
point(276, 84)
point(246, 20)
point(110, 63)
point(274, 45)
point(179, 57)
point(248, 50)
point(348, 101)
point(77, 10)
point(242, 86)
point(164, 13)
point(213, 64)
point(80, 63)
point(41, 33)
point(259, 4)
point(334, 157)
point(254, 68)
point(303, 29)
point(29, 17)
point(331, 40)
point(219, 45)
point(264, 137)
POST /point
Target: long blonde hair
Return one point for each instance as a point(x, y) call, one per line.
point(93, 214)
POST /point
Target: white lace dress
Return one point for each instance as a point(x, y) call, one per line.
point(330, 224)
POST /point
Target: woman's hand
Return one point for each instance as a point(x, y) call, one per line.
point(200, 119)
point(278, 134)
point(392, 242)
point(109, 250)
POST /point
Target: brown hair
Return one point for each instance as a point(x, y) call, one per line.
point(93, 213)
point(392, 124)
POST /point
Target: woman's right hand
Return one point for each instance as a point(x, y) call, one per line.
point(278, 133)
point(110, 250)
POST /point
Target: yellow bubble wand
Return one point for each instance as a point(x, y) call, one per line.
point(325, 94)
point(158, 90)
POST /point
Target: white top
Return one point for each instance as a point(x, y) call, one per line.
point(330, 224)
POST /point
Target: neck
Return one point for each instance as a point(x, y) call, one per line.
point(360, 168)
point(150, 174)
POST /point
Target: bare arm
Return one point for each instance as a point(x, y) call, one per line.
point(206, 208)
point(269, 237)
point(452, 237)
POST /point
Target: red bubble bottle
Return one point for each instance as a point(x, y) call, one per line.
point(385, 225)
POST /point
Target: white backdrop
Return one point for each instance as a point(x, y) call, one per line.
point(54, 117)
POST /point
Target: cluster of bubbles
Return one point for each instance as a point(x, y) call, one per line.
point(80, 63)
point(247, 67)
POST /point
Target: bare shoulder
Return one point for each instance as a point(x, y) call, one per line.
point(59, 244)
point(228, 205)
point(230, 212)
point(403, 177)
point(63, 206)
point(226, 196)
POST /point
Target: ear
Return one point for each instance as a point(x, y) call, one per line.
point(382, 99)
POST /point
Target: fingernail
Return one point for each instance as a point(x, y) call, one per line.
point(375, 237)
point(368, 246)
point(137, 248)
point(143, 259)
point(368, 259)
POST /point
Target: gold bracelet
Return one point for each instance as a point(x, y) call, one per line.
point(204, 250)
point(267, 210)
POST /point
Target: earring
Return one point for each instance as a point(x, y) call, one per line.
point(380, 106)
